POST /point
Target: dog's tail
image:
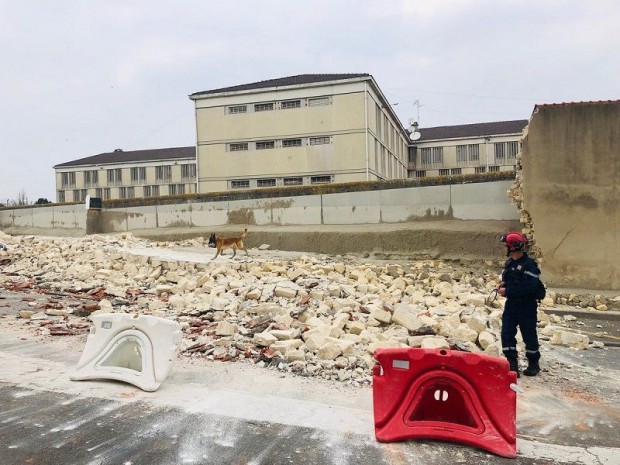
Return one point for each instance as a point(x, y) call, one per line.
point(244, 233)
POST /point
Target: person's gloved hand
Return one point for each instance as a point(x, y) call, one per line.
point(501, 289)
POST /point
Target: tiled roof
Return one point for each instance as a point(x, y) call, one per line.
point(566, 104)
point(299, 79)
point(120, 156)
point(472, 130)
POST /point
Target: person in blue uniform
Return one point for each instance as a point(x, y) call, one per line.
point(520, 284)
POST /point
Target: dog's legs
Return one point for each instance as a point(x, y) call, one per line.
point(234, 251)
point(216, 254)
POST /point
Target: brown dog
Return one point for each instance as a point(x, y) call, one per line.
point(223, 243)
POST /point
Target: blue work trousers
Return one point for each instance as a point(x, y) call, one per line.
point(524, 316)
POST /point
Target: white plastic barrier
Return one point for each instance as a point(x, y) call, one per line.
point(136, 349)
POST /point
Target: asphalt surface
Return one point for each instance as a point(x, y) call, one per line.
point(218, 413)
point(58, 429)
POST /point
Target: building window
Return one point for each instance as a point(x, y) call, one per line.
point(79, 195)
point(188, 171)
point(412, 154)
point(318, 101)
point(465, 153)
point(420, 174)
point(444, 172)
point(238, 147)
point(431, 155)
point(455, 171)
point(386, 130)
point(163, 173)
point(176, 189)
point(126, 192)
point(493, 169)
point(320, 179)
point(103, 193)
point(291, 143)
point(378, 121)
point(298, 181)
point(320, 140)
point(61, 197)
point(240, 184)
point(506, 150)
point(290, 104)
point(115, 177)
point(437, 154)
point(151, 191)
point(91, 178)
point(425, 156)
point(500, 151)
point(263, 106)
point(512, 148)
point(265, 144)
point(138, 175)
point(266, 182)
point(234, 110)
point(481, 169)
point(473, 151)
point(67, 180)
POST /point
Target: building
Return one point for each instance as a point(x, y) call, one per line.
point(297, 130)
point(466, 149)
point(125, 175)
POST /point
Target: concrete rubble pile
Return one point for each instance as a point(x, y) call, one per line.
point(312, 315)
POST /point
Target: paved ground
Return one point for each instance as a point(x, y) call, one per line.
point(235, 413)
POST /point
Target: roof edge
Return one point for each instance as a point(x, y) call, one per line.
point(269, 88)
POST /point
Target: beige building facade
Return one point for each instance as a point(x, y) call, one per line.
point(298, 130)
point(466, 149)
point(127, 174)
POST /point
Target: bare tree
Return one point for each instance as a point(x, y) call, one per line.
point(22, 199)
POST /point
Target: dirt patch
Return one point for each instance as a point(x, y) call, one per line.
point(445, 239)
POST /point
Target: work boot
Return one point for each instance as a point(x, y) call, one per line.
point(533, 368)
point(514, 366)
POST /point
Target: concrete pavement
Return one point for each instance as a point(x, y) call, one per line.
point(235, 413)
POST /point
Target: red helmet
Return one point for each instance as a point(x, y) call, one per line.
point(515, 241)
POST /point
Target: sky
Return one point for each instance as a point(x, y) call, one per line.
point(83, 77)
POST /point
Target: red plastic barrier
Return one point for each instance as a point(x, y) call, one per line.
point(445, 394)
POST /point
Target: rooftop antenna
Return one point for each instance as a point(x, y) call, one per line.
point(417, 105)
point(414, 123)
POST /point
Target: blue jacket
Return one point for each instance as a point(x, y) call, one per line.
point(521, 277)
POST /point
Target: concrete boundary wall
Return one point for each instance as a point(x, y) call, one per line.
point(476, 201)
point(481, 201)
point(62, 220)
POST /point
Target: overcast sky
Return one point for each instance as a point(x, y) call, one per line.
point(85, 77)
